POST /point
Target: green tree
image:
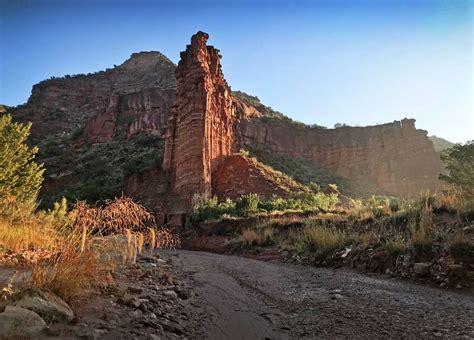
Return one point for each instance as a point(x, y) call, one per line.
point(20, 175)
point(459, 161)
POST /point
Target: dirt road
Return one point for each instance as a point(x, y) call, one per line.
point(249, 299)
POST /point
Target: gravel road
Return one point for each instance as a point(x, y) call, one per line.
point(248, 299)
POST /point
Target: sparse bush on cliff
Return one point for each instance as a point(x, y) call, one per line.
point(20, 175)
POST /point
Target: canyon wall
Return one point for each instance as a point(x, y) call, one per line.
point(200, 125)
point(203, 124)
point(398, 158)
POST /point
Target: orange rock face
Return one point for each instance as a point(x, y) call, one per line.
point(201, 122)
point(237, 175)
point(395, 157)
point(143, 111)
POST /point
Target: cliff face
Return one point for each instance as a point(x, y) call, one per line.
point(107, 114)
point(200, 125)
point(395, 157)
point(133, 96)
point(143, 111)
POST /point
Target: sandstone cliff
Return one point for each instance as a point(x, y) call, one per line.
point(396, 158)
point(80, 122)
point(200, 126)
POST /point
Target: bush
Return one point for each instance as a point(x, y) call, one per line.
point(396, 246)
point(20, 175)
point(322, 240)
point(247, 205)
point(205, 208)
point(395, 205)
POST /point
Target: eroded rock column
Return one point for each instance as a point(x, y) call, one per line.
point(200, 126)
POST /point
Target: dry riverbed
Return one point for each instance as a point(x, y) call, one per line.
point(198, 295)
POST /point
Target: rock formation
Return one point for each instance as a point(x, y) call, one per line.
point(204, 124)
point(237, 175)
point(200, 125)
point(395, 157)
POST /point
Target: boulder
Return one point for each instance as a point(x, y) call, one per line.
point(17, 322)
point(44, 302)
point(422, 268)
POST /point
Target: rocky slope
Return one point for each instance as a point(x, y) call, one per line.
point(85, 123)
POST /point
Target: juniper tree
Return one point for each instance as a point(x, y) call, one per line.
point(20, 175)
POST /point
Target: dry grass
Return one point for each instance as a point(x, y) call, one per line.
point(258, 236)
point(84, 246)
point(322, 240)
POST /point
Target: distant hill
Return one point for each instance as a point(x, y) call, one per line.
point(440, 144)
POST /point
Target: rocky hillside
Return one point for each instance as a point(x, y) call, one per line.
point(96, 129)
point(440, 144)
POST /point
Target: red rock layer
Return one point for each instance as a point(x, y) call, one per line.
point(200, 125)
point(237, 175)
point(144, 111)
point(398, 158)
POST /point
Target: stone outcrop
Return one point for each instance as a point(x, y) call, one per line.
point(237, 175)
point(200, 125)
point(135, 95)
point(144, 111)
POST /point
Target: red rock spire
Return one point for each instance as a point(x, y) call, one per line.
point(200, 126)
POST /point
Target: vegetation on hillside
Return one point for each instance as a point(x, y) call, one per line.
point(440, 144)
point(459, 161)
point(304, 172)
point(268, 113)
point(96, 172)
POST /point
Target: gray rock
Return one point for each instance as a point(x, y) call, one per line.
point(336, 296)
point(422, 268)
point(152, 337)
point(135, 290)
point(171, 293)
point(43, 302)
point(469, 229)
point(17, 322)
point(129, 301)
point(183, 293)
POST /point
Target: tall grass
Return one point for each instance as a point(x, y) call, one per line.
point(84, 245)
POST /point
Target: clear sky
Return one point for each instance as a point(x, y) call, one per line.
point(354, 62)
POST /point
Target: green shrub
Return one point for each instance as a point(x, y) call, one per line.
point(246, 205)
point(395, 205)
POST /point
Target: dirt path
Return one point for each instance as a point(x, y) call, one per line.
point(249, 299)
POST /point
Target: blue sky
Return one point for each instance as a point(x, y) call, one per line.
point(354, 62)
